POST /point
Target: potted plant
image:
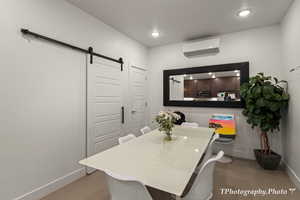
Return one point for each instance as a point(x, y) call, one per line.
point(264, 99)
point(166, 120)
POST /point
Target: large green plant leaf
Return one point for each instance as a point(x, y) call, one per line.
point(256, 91)
point(260, 102)
point(268, 91)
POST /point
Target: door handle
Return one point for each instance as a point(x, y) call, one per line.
point(122, 115)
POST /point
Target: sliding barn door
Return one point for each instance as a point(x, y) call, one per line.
point(104, 105)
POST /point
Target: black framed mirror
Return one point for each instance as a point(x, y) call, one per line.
point(207, 86)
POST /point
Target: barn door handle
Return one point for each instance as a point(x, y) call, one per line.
point(122, 113)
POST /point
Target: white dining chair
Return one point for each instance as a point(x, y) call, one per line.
point(190, 124)
point(145, 130)
point(126, 188)
point(126, 138)
point(208, 152)
point(202, 188)
point(225, 141)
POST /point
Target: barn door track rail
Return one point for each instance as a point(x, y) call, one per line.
point(89, 51)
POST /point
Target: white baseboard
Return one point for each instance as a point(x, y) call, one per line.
point(44, 190)
point(292, 174)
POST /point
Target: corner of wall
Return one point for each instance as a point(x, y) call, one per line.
point(292, 174)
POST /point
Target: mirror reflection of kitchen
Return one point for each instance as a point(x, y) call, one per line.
point(212, 86)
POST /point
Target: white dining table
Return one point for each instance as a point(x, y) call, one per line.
point(155, 162)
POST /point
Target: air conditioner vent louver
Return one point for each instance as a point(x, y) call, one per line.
point(201, 47)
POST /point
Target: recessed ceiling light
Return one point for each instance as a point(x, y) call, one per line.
point(214, 76)
point(244, 13)
point(236, 71)
point(191, 78)
point(238, 74)
point(155, 34)
point(210, 73)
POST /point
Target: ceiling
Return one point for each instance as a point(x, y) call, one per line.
point(179, 20)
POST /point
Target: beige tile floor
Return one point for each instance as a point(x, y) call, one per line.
point(241, 174)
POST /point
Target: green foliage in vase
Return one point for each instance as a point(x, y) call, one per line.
point(264, 100)
point(166, 121)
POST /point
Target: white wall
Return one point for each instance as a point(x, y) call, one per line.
point(42, 89)
point(291, 55)
point(261, 47)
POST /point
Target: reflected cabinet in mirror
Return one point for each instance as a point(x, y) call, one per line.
point(208, 86)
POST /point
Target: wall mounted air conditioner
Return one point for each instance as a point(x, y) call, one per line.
point(200, 47)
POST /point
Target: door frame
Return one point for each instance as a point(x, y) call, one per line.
point(130, 105)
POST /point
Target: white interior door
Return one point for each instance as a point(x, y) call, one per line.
point(138, 91)
point(104, 105)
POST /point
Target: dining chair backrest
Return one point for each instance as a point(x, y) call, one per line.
point(145, 130)
point(208, 152)
point(126, 138)
point(203, 185)
point(190, 124)
point(126, 188)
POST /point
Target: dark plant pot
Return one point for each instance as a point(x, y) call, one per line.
point(267, 161)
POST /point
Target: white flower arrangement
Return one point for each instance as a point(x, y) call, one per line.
point(166, 120)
